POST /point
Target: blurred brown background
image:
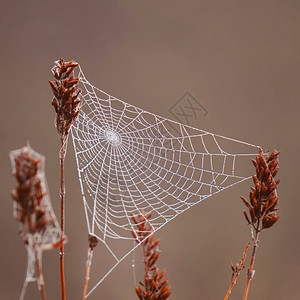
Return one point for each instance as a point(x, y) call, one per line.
point(239, 59)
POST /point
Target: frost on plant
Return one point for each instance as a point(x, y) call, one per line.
point(32, 209)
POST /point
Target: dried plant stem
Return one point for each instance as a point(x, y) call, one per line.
point(87, 272)
point(93, 242)
point(66, 104)
point(41, 282)
point(262, 203)
point(250, 272)
point(62, 215)
point(236, 271)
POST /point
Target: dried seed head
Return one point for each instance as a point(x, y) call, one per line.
point(28, 193)
point(154, 286)
point(263, 202)
point(66, 92)
point(269, 220)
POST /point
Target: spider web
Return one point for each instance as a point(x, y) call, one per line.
point(36, 243)
point(131, 161)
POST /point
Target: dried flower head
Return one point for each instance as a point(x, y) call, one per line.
point(65, 91)
point(262, 206)
point(154, 286)
point(28, 193)
point(32, 208)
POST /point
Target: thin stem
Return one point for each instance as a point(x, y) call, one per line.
point(230, 288)
point(87, 272)
point(262, 204)
point(146, 264)
point(62, 216)
point(250, 272)
point(41, 282)
point(237, 271)
point(65, 101)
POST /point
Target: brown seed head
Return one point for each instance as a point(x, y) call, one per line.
point(65, 91)
point(263, 199)
point(28, 193)
point(154, 286)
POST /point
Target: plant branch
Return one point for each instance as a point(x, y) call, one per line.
point(93, 241)
point(262, 203)
point(236, 271)
point(251, 271)
point(62, 216)
point(66, 104)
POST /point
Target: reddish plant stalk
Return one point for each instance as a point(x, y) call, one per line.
point(66, 104)
point(262, 204)
point(62, 217)
point(250, 272)
point(236, 271)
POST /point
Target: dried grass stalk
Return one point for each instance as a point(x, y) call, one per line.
point(236, 271)
point(66, 104)
point(262, 203)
